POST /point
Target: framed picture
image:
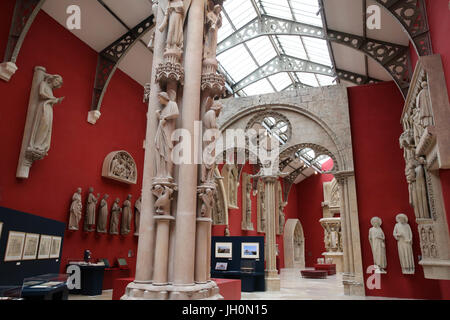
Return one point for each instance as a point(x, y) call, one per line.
point(14, 248)
point(55, 247)
point(44, 247)
point(224, 250)
point(250, 250)
point(31, 246)
point(222, 266)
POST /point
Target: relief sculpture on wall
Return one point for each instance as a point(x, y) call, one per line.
point(120, 166)
point(39, 122)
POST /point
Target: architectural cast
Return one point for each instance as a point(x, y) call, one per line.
point(127, 215)
point(91, 209)
point(102, 224)
point(75, 210)
point(377, 238)
point(403, 235)
point(115, 217)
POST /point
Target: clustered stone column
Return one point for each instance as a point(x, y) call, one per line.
point(353, 270)
point(175, 229)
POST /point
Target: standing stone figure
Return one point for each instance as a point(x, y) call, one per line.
point(137, 215)
point(174, 19)
point(207, 198)
point(75, 210)
point(115, 217)
point(91, 206)
point(163, 142)
point(125, 227)
point(282, 217)
point(210, 123)
point(403, 235)
point(248, 204)
point(41, 133)
point(424, 105)
point(421, 204)
point(377, 238)
point(213, 23)
point(103, 215)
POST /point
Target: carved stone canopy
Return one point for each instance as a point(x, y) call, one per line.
point(120, 166)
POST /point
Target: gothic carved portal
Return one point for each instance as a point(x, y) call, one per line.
point(426, 149)
point(294, 245)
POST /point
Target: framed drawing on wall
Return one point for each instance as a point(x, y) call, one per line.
point(44, 247)
point(250, 250)
point(224, 250)
point(222, 266)
point(14, 248)
point(55, 247)
point(31, 246)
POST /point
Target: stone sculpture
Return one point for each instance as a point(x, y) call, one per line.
point(38, 128)
point(91, 208)
point(137, 215)
point(207, 198)
point(120, 166)
point(127, 215)
point(213, 23)
point(377, 238)
point(233, 183)
point(103, 215)
point(210, 123)
point(164, 196)
point(115, 217)
point(282, 217)
point(75, 210)
point(163, 142)
point(174, 19)
point(403, 235)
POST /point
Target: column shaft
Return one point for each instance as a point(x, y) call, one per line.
point(161, 251)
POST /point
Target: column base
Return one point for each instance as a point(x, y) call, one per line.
point(351, 286)
point(272, 281)
point(141, 291)
point(7, 70)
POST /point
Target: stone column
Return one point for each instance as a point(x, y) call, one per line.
point(201, 250)
point(272, 277)
point(160, 274)
point(187, 175)
point(353, 269)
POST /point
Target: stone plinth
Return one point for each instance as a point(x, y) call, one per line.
point(338, 260)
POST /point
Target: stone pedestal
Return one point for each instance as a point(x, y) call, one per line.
point(337, 260)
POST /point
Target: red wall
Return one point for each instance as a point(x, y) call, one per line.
point(78, 148)
point(382, 190)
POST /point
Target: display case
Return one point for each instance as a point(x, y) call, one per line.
point(51, 286)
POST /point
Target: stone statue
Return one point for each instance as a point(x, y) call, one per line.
point(164, 196)
point(377, 238)
point(174, 20)
point(207, 198)
point(125, 227)
point(213, 23)
point(41, 132)
point(421, 204)
point(115, 217)
point(417, 126)
point(282, 217)
point(137, 215)
point(103, 215)
point(233, 183)
point(423, 103)
point(403, 235)
point(163, 142)
point(227, 232)
point(75, 210)
point(210, 123)
point(91, 208)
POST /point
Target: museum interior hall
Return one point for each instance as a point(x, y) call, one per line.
point(225, 150)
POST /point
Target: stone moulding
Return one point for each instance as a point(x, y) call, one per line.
point(120, 166)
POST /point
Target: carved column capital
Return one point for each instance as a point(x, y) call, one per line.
point(342, 176)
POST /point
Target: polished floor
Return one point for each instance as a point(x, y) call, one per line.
point(293, 287)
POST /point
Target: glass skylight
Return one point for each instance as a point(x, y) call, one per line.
point(245, 58)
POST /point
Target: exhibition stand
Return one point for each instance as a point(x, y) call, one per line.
point(91, 278)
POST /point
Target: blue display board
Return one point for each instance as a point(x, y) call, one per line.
point(14, 272)
point(252, 281)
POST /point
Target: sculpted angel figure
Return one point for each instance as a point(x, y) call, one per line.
point(164, 196)
point(75, 210)
point(213, 23)
point(403, 235)
point(163, 141)
point(174, 20)
point(103, 215)
point(377, 238)
point(41, 133)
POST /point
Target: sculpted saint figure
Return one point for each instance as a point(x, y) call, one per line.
point(403, 235)
point(377, 238)
point(421, 204)
point(115, 217)
point(75, 210)
point(41, 133)
point(137, 215)
point(125, 227)
point(103, 215)
point(163, 142)
point(91, 206)
point(174, 19)
point(424, 105)
point(207, 202)
point(164, 196)
point(210, 123)
point(213, 23)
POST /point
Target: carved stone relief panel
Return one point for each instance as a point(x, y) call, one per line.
point(120, 166)
point(426, 148)
point(332, 234)
point(246, 223)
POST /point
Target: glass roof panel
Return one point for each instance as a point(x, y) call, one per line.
point(262, 49)
point(280, 80)
point(293, 46)
point(239, 11)
point(317, 50)
point(276, 8)
point(237, 62)
point(260, 87)
point(305, 11)
point(325, 80)
point(307, 78)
